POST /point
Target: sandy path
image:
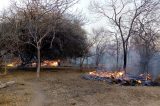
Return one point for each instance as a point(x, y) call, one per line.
point(38, 96)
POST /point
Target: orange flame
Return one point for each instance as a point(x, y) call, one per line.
point(10, 65)
point(50, 63)
point(146, 76)
point(139, 81)
point(118, 75)
point(108, 74)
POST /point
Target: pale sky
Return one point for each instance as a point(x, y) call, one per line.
point(81, 6)
point(3, 4)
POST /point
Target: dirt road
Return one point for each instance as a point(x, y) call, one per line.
point(68, 89)
point(38, 95)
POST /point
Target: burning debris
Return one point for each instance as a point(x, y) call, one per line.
point(48, 63)
point(107, 74)
point(10, 65)
point(120, 78)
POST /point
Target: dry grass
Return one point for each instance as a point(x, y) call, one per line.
point(66, 88)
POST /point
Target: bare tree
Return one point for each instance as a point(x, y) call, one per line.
point(122, 17)
point(146, 38)
point(91, 41)
point(37, 19)
point(100, 44)
point(114, 47)
point(118, 43)
point(86, 51)
point(8, 38)
point(105, 42)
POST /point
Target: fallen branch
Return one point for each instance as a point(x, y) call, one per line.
point(4, 85)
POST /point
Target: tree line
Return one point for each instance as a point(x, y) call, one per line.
point(42, 29)
point(132, 24)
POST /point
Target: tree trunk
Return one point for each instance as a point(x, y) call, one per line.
point(5, 70)
point(124, 57)
point(75, 61)
point(125, 60)
point(117, 56)
point(87, 63)
point(81, 62)
point(38, 62)
point(5, 66)
point(117, 60)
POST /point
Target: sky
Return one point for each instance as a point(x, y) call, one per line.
point(82, 6)
point(3, 4)
point(93, 21)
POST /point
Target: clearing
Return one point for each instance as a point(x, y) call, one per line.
point(66, 88)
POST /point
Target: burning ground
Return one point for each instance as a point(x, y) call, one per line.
point(67, 88)
point(122, 78)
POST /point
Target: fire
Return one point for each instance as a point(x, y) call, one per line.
point(50, 63)
point(121, 73)
point(118, 74)
point(10, 65)
point(92, 73)
point(146, 76)
point(139, 81)
point(119, 77)
point(34, 64)
point(54, 64)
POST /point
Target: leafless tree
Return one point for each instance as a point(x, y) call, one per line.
point(122, 16)
point(87, 51)
point(114, 47)
point(8, 38)
point(38, 19)
point(118, 43)
point(101, 41)
point(91, 41)
point(146, 39)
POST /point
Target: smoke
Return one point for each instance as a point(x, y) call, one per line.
point(154, 66)
point(133, 65)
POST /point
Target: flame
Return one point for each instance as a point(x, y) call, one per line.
point(92, 73)
point(118, 74)
point(146, 76)
point(121, 73)
point(54, 64)
point(34, 64)
point(139, 81)
point(10, 65)
point(50, 63)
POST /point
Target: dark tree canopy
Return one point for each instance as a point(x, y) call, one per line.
point(70, 40)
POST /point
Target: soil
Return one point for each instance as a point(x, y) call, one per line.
point(67, 88)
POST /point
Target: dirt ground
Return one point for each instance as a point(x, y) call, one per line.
point(66, 88)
